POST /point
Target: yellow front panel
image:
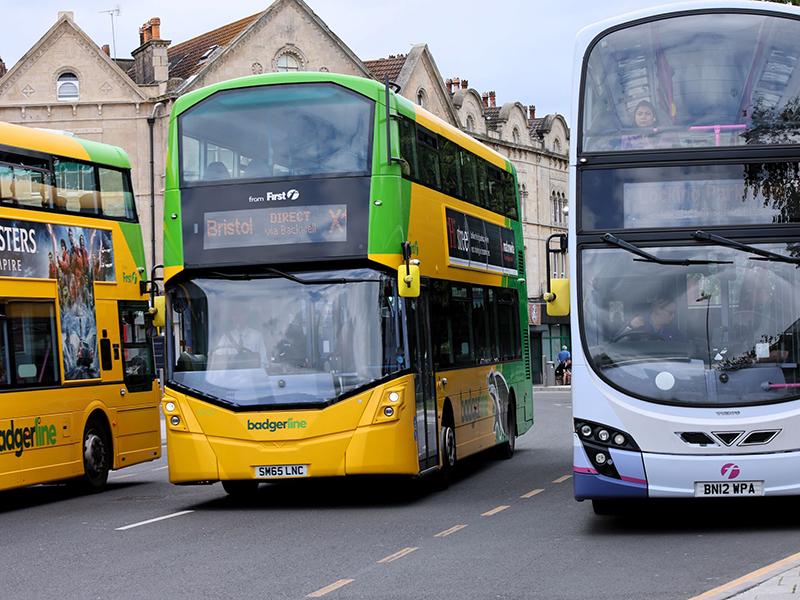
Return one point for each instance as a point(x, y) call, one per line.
point(349, 437)
point(42, 141)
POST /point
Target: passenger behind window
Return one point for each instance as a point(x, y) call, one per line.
point(645, 121)
point(217, 171)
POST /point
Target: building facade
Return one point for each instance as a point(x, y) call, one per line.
point(68, 82)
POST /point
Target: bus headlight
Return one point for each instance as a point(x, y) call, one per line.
point(169, 406)
point(619, 439)
point(175, 420)
point(388, 411)
point(600, 458)
point(603, 435)
point(394, 397)
point(586, 431)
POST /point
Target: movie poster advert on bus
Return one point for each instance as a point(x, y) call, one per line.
point(75, 257)
point(255, 223)
point(476, 244)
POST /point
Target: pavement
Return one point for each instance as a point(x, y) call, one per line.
point(783, 586)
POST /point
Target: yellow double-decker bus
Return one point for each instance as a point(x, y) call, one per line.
point(77, 390)
point(345, 288)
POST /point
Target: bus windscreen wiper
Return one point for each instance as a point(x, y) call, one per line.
point(647, 257)
point(763, 254)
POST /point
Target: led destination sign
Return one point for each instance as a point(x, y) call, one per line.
point(257, 223)
point(275, 226)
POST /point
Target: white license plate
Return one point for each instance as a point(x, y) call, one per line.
point(719, 489)
point(281, 471)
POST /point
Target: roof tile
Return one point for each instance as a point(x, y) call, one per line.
point(390, 67)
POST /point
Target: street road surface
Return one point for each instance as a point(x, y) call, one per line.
point(503, 529)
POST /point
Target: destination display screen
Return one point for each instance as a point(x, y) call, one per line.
point(274, 226)
point(477, 244)
point(275, 222)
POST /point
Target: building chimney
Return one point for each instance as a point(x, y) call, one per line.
point(457, 82)
point(150, 63)
point(485, 98)
point(449, 85)
point(464, 84)
point(155, 28)
point(532, 111)
point(3, 69)
point(106, 50)
point(491, 98)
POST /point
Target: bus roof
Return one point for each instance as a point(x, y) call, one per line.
point(60, 144)
point(368, 87)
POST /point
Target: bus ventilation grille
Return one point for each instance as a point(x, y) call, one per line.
point(526, 353)
point(520, 263)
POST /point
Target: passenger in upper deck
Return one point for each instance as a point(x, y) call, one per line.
point(647, 135)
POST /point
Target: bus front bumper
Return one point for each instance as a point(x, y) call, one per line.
point(643, 475)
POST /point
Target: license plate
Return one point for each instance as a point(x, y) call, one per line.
point(281, 471)
point(719, 489)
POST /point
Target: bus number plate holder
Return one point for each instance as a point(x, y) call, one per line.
point(281, 471)
point(723, 489)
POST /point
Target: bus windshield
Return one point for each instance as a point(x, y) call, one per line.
point(694, 81)
point(722, 333)
point(256, 342)
point(276, 131)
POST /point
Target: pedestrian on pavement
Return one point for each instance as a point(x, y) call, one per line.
point(563, 355)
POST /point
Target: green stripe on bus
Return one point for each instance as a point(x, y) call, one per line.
point(105, 154)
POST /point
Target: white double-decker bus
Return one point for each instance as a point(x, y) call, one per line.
point(685, 254)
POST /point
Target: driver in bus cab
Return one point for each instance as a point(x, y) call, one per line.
point(659, 322)
point(241, 345)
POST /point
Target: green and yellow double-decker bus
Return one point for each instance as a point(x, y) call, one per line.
point(77, 391)
point(345, 287)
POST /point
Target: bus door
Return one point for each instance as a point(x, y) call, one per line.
point(422, 355)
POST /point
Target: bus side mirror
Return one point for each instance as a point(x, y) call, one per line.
point(159, 311)
point(408, 281)
point(558, 298)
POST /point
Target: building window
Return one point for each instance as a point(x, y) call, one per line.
point(68, 87)
point(515, 136)
point(288, 62)
point(422, 98)
point(557, 146)
point(470, 123)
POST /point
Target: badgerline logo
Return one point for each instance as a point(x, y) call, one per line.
point(19, 439)
point(275, 425)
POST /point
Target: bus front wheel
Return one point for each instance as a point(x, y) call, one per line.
point(96, 456)
point(240, 489)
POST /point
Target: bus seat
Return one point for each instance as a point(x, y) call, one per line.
point(216, 171)
point(258, 167)
point(88, 203)
point(60, 203)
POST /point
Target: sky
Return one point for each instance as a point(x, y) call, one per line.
point(522, 49)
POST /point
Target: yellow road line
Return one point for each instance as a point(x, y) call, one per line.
point(447, 532)
point(396, 555)
point(532, 493)
point(562, 479)
point(330, 588)
point(495, 510)
point(754, 577)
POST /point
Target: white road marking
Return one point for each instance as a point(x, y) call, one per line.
point(177, 514)
point(396, 555)
point(562, 479)
point(330, 588)
point(532, 493)
point(450, 531)
point(495, 510)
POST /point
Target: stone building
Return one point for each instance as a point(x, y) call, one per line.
point(68, 82)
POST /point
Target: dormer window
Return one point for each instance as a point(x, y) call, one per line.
point(287, 62)
point(422, 97)
point(68, 87)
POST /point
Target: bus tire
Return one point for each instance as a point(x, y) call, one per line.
point(507, 448)
point(240, 489)
point(605, 507)
point(97, 455)
point(447, 447)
